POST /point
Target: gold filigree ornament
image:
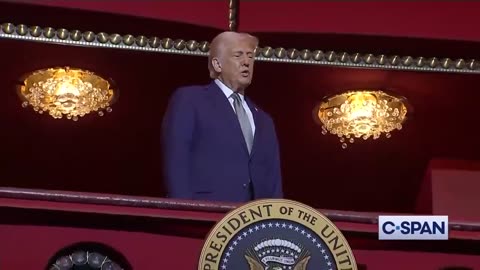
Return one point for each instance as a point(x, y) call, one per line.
point(362, 114)
point(67, 92)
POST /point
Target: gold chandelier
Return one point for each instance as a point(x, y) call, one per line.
point(68, 92)
point(361, 114)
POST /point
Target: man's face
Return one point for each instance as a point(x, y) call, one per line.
point(237, 61)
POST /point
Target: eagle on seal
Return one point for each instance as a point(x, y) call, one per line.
point(256, 265)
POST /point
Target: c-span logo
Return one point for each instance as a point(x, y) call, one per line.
point(276, 235)
point(413, 227)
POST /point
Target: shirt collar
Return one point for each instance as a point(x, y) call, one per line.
point(227, 91)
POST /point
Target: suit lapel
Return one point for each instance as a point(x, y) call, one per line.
point(225, 110)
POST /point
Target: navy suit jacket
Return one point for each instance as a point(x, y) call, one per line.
point(205, 154)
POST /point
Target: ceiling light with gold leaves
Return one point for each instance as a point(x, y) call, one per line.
point(361, 114)
point(66, 92)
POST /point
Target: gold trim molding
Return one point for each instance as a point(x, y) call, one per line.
point(267, 54)
point(233, 15)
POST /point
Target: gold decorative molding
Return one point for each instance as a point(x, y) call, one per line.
point(233, 15)
point(267, 54)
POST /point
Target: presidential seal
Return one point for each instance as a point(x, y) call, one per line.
point(276, 234)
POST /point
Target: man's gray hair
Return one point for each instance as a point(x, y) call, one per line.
point(218, 43)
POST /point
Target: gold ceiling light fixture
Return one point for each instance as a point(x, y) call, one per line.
point(67, 92)
point(361, 114)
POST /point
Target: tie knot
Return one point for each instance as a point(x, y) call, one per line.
point(236, 97)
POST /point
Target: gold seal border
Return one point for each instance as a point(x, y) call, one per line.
point(335, 241)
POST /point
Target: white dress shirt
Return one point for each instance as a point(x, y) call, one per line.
point(228, 92)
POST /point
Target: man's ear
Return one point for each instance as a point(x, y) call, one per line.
point(216, 65)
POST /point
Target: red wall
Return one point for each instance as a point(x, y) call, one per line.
point(450, 187)
point(127, 159)
point(174, 252)
point(438, 20)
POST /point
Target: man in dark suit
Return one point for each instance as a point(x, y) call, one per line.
point(218, 145)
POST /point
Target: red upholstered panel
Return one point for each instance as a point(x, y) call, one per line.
point(151, 233)
point(451, 188)
point(30, 247)
point(143, 250)
point(398, 260)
